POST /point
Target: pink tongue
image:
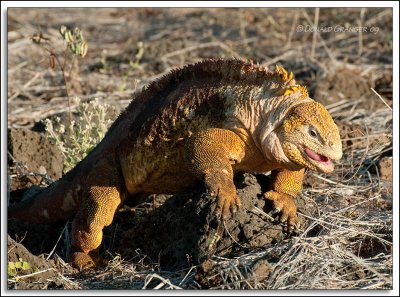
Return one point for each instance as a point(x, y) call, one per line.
point(315, 156)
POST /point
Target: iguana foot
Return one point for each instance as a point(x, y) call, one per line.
point(81, 261)
point(228, 201)
point(284, 204)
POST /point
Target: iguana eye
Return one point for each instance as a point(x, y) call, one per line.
point(312, 132)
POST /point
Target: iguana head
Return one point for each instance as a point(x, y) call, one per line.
point(310, 138)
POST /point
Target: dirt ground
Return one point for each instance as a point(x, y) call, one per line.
point(345, 239)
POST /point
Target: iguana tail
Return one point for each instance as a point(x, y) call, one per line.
point(57, 202)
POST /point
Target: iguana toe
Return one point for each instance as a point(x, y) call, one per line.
point(223, 187)
point(227, 205)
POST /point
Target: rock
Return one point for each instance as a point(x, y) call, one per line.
point(35, 151)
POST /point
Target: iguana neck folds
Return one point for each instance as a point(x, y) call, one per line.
point(259, 111)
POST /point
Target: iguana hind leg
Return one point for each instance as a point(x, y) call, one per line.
point(97, 211)
point(210, 155)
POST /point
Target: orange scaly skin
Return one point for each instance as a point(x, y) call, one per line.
point(201, 123)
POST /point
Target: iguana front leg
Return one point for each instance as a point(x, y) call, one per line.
point(97, 210)
point(210, 155)
point(285, 186)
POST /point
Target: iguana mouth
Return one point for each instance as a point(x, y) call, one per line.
point(317, 157)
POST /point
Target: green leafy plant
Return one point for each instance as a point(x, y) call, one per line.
point(85, 133)
point(74, 40)
point(77, 46)
point(14, 267)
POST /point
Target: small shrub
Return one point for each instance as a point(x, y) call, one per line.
point(84, 134)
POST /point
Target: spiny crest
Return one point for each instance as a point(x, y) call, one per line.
point(240, 69)
point(287, 82)
point(227, 69)
point(291, 89)
point(288, 90)
point(279, 70)
point(303, 90)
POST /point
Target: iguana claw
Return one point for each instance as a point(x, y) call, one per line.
point(285, 205)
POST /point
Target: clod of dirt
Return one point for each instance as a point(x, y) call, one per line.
point(204, 275)
point(385, 168)
point(262, 269)
point(184, 231)
point(35, 150)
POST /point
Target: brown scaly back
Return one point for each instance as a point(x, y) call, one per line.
point(209, 70)
point(206, 73)
point(232, 70)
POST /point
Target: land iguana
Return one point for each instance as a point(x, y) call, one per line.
point(199, 123)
